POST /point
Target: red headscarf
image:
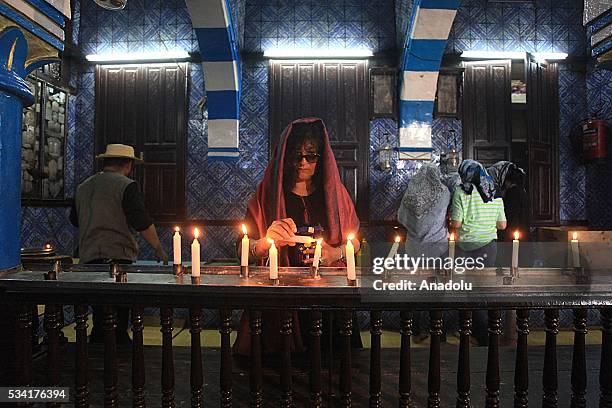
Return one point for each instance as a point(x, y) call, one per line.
point(268, 203)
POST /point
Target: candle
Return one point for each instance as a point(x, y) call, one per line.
point(317, 254)
point(244, 256)
point(195, 254)
point(273, 259)
point(451, 248)
point(350, 258)
point(515, 250)
point(394, 247)
point(575, 250)
point(176, 246)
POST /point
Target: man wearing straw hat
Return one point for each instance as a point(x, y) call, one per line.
point(109, 209)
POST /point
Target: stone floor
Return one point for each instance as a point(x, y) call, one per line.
point(360, 377)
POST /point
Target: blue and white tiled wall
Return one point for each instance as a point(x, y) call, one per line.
point(599, 174)
point(218, 190)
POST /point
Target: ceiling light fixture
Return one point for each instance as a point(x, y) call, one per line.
point(111, 4)
point(494, 54)
point(139, 57)
point(513, 55)
point(318, 53)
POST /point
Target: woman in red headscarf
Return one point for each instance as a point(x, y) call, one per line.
point(301, 188)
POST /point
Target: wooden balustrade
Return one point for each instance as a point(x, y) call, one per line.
point(343, 311)
point(550, 380)
point(463, 370)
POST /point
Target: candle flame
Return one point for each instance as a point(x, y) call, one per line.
point(575, 236)
point(196, 233)
point(516, 235)
point(452, 236)
point(270, 241)
point(351, 237)
point(244, 230)
point(177, 229)
point(319, 241)
point(48, 246)
point(397, 238)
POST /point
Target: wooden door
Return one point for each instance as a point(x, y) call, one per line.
point(487, 135)
point(335, 91)
point(543, 141)
point(145, 106)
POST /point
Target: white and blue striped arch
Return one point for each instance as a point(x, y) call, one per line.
point(221, 63)
point(42, 24)
point(427, 33)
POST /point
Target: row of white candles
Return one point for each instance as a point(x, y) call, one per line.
point(349, 250)
point(272, 253)
point(515, 249)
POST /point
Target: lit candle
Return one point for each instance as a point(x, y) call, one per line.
point(350, 259)
point(48, 247)
point(176, 246)
point(515, 250)
point(317, 254)
point(451, 248)
point(575, 250)
point(244, 257)
point(394, 247)
point(273, 258)
point(195, 254)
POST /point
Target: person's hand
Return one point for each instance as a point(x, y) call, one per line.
point(161, 255)
point(329, 254)
point(281, 231)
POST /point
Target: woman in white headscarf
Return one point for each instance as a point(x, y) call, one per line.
point(423, 213)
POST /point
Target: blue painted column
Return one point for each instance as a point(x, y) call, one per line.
point(14, 95)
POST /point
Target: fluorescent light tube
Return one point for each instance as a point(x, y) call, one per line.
point(318, 53)
point(139, 56)
point(494, 54)
point(550, 55)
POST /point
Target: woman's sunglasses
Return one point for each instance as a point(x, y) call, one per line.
point(310, 158)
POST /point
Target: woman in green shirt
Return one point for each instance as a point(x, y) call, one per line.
point(477, 215)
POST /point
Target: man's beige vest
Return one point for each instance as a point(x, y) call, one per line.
point(103, 229)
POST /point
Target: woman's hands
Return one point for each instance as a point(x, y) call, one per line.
point(280, 231)
point(329, 254)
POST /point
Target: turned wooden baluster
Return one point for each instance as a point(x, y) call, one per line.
point(23, 347)
point(225, 379)
point(316, 399)
point(492, 376)
point(138, 365)
point(463, 371)
point(521, 369)
point(197, 376)
point(346, 330)
point(81, 389)
point(285, 380)
point(375, 375)
point(110, 358)
point(54, 321)
point(256, 383)
point(549, 382)
point(579, 371)
point(433, 378)
point(605, 369)
point(404, 375)
point(167, 358)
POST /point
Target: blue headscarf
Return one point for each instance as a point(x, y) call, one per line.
point(473, 174)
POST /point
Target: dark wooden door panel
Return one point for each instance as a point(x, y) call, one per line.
point(486, 111)
point(335, 91)
point(145, 106)
point(543, 143)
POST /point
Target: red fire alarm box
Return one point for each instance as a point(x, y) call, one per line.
point(594, 139)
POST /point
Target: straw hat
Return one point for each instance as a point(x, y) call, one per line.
point(120, 151)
